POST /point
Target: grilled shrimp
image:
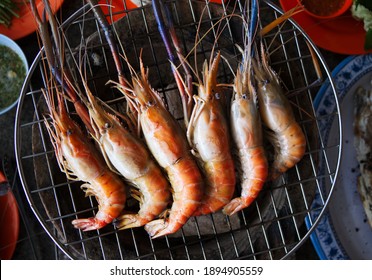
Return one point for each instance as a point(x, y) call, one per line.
point(247, 135)
point(76, 156)
point(125, 151)
point(131, 158)
point(208, 133)
point(169, 146)
point(80, 160)
point(276, 113)
point(245, 123)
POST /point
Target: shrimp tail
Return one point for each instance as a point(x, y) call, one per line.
point(158, 228)
point(88, 224)
point(186, 179)
point(237, 204)
point(130, 220)
point(99, 15)
point(221, 178)
point(59, 72)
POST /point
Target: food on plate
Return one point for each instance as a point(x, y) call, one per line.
point(363, 146)
point(362, 10)
point(12, 75)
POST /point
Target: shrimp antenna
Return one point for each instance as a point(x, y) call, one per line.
point(185, 88)
point(57, 70)
point(105, 26)
point(250, 17)
point(254, 19)
point(109, 38)
point(218, 34)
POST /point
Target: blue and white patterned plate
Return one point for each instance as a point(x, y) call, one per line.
point(343, 232)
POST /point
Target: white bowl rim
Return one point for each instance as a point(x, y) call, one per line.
point(6, 41)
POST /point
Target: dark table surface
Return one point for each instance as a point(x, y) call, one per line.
point(33, 242)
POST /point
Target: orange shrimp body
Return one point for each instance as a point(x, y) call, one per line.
point(109, 190)
point(80, 160)
point(131, 158)
point(209, 134)
point(169, 146)
point(276, 112)
point(247, 135)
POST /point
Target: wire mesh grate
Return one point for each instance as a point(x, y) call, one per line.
point(272, 227)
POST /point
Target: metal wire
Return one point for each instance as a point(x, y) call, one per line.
point(272, 228)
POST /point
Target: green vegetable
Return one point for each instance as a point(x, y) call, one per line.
point(362, 9)
point(365, 3)
point(8, 10)
point(12, 75)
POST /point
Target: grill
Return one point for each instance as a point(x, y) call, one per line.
point(272, 227)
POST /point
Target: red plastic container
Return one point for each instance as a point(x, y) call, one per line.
point(117, 6)
point(9, 223)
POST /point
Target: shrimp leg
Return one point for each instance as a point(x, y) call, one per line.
point(98, 13)
point(185, 88)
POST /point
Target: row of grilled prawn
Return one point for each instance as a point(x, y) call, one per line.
point(192, 173)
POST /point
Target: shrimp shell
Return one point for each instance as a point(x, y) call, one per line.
point(131, 158)
point(110, 193)
point(247, 134)
point(208, 132)
point(80, 160)
point(276, 113)
point(170, 148)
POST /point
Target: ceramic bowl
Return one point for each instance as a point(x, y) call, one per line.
point(6, 41)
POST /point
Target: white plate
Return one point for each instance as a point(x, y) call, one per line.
point(343, 232)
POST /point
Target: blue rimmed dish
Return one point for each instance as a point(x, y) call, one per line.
point(343, 232)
